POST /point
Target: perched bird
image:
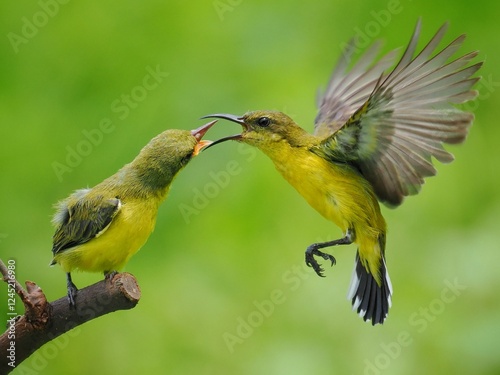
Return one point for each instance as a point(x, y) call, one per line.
point(99, 229)
point(375, 135)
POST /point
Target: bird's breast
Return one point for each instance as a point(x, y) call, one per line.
point(335, 191)
point(126, 234)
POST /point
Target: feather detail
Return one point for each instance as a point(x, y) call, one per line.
point(346, 92)
point(392, 137)
point(81, 218)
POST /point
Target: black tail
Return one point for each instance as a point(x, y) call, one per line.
point(370, 300)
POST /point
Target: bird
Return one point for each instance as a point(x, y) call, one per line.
point(376, 134)
point(98, 229)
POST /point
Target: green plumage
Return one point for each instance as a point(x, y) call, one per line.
point(100, 228)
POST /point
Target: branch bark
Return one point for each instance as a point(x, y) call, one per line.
point(44, 321)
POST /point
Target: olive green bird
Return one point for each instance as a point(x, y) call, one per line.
point(99, 229)
point(375, 136)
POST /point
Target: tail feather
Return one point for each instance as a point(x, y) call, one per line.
point(370, 300)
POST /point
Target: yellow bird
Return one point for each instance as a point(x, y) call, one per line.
point(99, 229)
point(375, 135)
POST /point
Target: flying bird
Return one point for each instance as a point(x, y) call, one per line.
point(374, 139)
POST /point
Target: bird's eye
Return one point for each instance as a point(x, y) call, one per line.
point(264, 121)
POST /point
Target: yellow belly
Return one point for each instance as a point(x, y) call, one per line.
point(336, 192)
point(342, 196)
point(110, 251)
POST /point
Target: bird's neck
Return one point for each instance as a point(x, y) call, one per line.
point(289, 151)
point(144, 179)
point(154, 179)
point(289, 160)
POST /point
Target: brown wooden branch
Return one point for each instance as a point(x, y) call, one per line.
point(10, 278)
point(44, 321)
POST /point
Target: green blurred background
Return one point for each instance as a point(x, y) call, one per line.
point(230, 237)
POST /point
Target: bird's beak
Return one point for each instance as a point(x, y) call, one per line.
point(198, 134)
point(233, 118)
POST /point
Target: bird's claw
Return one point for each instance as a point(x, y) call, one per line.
point(108, 275)
point(311, 262)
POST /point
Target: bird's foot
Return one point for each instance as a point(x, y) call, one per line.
point(72, 291)
point(314, 250)
point(108, 275)
point(311, 262)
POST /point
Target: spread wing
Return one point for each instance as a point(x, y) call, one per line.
point(81, 218)
point(347, 91)
point(392, 137)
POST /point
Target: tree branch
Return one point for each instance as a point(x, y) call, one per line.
point(44, 321)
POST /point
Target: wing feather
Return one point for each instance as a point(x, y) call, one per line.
point(346, 92)
point(392, 136)
point(81, 218)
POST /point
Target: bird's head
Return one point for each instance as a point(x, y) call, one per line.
point(264, 129)
point(176, 147)
point(167, 153)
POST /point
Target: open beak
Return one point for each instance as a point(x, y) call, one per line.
point(233, 118)
point(198, 134)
